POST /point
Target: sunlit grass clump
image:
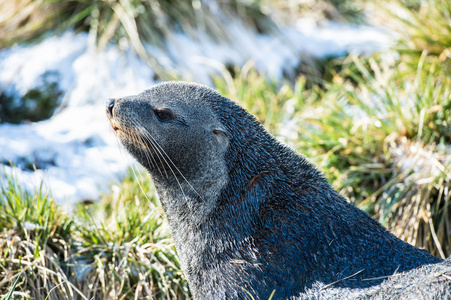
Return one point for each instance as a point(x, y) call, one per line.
point(381, 131)
point(426, 34)
point(118, 248)
point(384, 142)
point(35, 244)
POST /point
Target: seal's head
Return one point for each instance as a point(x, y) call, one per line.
point(173, 132)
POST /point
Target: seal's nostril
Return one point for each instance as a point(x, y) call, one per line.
point(110, 106)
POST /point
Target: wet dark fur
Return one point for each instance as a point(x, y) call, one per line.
point(276, 224)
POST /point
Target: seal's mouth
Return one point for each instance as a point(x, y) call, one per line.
point(114, 124)
point(121, 129)
point(126, 133)
point(116, 128)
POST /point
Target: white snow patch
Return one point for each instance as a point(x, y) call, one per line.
point(21, 66)
point(334, 38)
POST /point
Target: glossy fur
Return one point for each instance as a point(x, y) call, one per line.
point(249, 215)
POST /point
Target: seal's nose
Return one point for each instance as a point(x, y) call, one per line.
point(110, 105)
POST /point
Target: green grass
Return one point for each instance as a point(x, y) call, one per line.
point(265, 98)
point(426, 35)
point(383, 141)
point(116, 248)
point(381, 131)
point(34, 249)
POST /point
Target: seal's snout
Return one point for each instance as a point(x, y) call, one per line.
point(109, 106)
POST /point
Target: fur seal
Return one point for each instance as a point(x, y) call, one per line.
point(248, 215)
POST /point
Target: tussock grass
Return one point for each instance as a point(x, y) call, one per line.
point(118, 248)
point(22, 20)
point(384, 142)
point(142, 23)
point(381, 132)
point(151, 21)
point(273, 103)
point(425, 30)
point(35, 256)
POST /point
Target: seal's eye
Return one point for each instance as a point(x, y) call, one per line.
point(163, 115)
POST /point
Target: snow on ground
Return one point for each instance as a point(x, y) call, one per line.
point(75, 151)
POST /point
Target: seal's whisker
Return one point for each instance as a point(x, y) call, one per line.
point(177, 169)
point(133, 166)
point(135, 170)
point(158, 149)
point(159, 153)
point(152, 161)
point(141, 138)
point(135, 136)
point(123, 154)
point(121, 147)
point(170, 160)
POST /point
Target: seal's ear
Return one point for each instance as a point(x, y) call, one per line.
point(221, 135)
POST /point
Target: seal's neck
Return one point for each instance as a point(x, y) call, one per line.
point(191, 196)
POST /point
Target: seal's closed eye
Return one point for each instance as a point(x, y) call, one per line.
point(163, 115)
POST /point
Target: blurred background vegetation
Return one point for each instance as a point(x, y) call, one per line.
point(377, 126)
